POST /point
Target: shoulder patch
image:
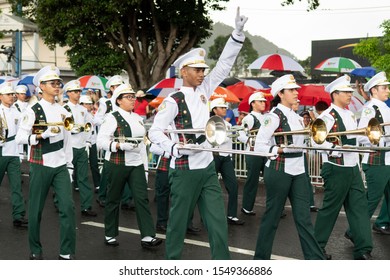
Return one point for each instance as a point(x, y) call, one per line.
point(162, 106)
point(367, 111)
point(267, 121)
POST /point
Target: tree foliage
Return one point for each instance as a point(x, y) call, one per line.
point(376, 50)
point(143, 37)
point(311, 4)
point(246, 56)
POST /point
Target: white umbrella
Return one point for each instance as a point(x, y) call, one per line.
point(337, 64)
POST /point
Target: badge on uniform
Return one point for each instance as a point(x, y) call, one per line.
point(367, 111)
point(82, 113)
point(267, 121)
point(25, 119)
point(203, 99)
point(162, 106)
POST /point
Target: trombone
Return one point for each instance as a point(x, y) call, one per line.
point(216, 134)
point(68, 124)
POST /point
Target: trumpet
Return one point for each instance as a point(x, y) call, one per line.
point(68, 124)
point(134, 140)
point(83, 127)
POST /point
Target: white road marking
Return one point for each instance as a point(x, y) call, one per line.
point(190, 241)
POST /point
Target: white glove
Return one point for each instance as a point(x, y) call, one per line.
point(240, 22)
point(166, 155)
point(147, 176)
point(335, 154)
point(175, 151)
point(292, 149)
point(129, 147)
point(47, 133)
point(189, 152)
point(88, 146)
point(70, 174)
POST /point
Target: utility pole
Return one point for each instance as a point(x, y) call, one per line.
point(18, 46)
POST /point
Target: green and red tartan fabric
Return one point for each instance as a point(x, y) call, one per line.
point(280, 161)
point(183, 121)
point(122, 129)
point(163, 165)
point(44, 145)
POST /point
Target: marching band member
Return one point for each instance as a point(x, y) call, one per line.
point(9, 153)
point(224, 164)
point(284, 175)
point(254, 164)
point(124, 163)
point(343, 184)
point(377, 166)
point(80, 139)
point(192, 173)
point(50, 163)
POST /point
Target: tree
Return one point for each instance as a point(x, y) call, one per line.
point(143, 37)
point(376, 50)
point(312, 4)
point(246, 56)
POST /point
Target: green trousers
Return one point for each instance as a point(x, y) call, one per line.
point(11, 165)
point(343, 186)
point(162, 197)
point(134, 176)
point(280, 186)
point(378, 186)
point(254, 165)
point(94, 166)
point(309, 185)
point(41, 178)
point(201, 187)
point(224, 165)
point(80, 163)
point(126, 196)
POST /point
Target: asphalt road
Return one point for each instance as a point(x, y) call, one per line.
point(90, 234)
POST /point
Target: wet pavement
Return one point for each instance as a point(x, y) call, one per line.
point(90, 233)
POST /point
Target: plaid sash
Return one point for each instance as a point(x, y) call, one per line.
point(280, 162)
point(122, 129)
point(44, 146)
point(339, 126)
point(183, 121)
point(163, 165)
point(377, 158)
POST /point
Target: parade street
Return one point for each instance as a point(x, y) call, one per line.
point(90, 233)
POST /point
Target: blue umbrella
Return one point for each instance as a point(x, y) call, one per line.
point(27, 80)
point(366, 72)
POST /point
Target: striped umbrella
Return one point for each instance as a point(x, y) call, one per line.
point(337, 64)
point(165, 87)
point(277, 62)
point(94, 82)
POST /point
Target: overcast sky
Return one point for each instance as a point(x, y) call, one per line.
point(293, 28)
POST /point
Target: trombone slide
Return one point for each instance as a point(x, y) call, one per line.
point(227, 151)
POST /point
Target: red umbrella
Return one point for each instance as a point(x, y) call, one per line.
point(228, 95)
point(241, 90)
point(244, 106)
point(276, 62)
point(309, 95)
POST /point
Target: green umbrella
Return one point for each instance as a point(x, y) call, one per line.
point(337, 64)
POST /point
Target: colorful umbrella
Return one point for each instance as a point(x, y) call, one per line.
point(337, 64)
point(257, 84)
point(165, 87)
point(228, 95)
point(366, 72)
point(94, 82)
point(276, 62)
point(27, 80)
point(309, 95)
point(240, 89)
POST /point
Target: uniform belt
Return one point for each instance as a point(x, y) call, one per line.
point(292, 155)
point(10, 139)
